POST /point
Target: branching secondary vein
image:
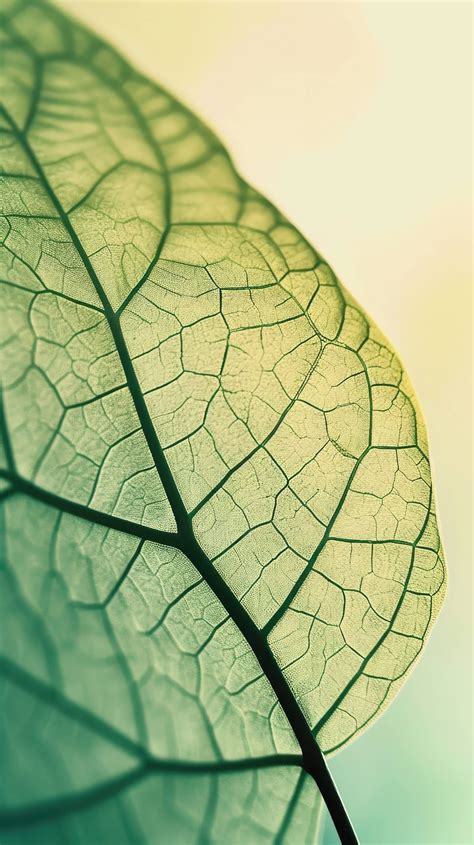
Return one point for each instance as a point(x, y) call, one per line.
point(313, 759)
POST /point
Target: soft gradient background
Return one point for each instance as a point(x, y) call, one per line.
point(355, 119)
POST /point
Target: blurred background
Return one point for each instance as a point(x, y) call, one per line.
point(355, 119)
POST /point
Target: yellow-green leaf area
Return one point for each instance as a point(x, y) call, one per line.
point(220, 552)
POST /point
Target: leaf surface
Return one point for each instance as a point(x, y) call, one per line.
point(220, 551)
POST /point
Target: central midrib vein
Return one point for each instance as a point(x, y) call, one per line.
point(313, 759)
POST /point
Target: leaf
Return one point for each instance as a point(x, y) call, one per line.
point(220, 553)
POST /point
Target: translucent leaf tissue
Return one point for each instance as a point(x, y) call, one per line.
point(219, 548)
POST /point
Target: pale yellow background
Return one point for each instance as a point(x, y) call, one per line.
point(355, 119)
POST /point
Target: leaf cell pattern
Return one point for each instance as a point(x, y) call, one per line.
point(219, 539)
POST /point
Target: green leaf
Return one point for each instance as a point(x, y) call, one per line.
point(220, 553)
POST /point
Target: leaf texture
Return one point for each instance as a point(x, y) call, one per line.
point(219, 542)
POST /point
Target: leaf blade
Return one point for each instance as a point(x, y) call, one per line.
point(236, 380)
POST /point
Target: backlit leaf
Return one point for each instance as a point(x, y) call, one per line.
point(220, 552)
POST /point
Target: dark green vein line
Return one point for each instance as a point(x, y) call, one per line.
point(285, 823)
point(6, 435)
point(313, 759)
point(148, 271)
point(161, 464)
point(111, 170)
point(266, 439)
point(98, 605)
point(306, 571)
point(115, 523)
point(349, 685)
point(38, 688)
point(43, 810)
point(45, 692)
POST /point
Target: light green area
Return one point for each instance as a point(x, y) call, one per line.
point(216, 492)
